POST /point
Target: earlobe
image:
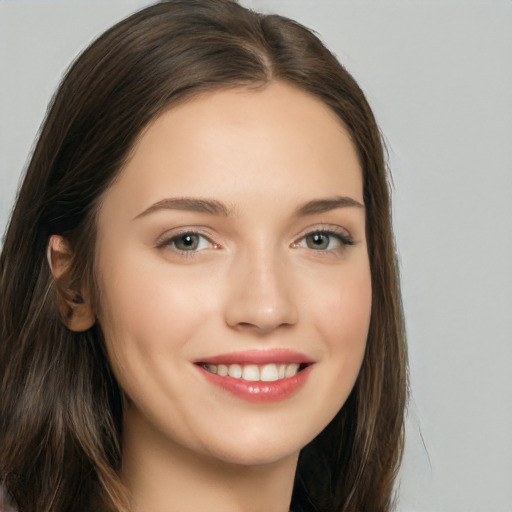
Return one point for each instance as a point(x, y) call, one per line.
point(74, 305)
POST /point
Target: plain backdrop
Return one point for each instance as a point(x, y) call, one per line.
point(439, 77)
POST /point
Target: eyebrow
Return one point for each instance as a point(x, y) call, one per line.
point(189, 204)
point(214, 207)
point(326, 205)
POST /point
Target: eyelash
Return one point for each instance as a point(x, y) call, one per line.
point(170, 242)
point(341, 237)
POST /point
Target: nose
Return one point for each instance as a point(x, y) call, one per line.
point(261, 296)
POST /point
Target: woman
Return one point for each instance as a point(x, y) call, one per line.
point(199, 294)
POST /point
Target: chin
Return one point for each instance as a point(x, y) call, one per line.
point(256, 456)
point(260, 448)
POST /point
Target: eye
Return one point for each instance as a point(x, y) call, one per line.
point(324, 241)
point(187, 242)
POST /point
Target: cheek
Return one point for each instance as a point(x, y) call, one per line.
point(145, 315)
point(342, 319)
point(138, 293)
point(343, 310)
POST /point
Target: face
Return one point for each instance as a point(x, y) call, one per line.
point(234, 277)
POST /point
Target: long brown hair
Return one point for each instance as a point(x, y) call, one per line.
point(60, 412)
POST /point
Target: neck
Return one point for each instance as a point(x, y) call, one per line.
point(163, 476)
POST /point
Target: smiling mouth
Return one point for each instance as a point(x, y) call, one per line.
point(256, 373)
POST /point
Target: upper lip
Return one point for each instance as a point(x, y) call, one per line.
point(258, 356)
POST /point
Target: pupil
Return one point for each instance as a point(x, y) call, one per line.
point(318, 241)
point(187, 242)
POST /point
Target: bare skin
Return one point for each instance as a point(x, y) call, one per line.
point(237, 225)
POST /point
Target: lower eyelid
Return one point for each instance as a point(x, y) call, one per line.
point(342, 238)
point(202, 242)
point(169, 241)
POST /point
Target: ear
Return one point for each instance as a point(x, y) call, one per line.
point(74, 304)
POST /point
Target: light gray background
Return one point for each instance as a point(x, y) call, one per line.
point(439, 77)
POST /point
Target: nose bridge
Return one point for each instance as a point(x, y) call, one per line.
point(261, 291)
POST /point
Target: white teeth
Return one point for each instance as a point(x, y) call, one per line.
point(291, 370)
point(253, 372)
point(235, 370)
point(269, 373)
point(211, 368)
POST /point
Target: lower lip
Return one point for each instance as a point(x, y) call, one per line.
point(257, 391)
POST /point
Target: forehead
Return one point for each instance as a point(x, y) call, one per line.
point(276, 141)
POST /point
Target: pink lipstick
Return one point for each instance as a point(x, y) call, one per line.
point(258, 375)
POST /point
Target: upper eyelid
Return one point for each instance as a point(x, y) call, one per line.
point(334, 229)
point(168, 236)
point(325, 228)
point(344, 240)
